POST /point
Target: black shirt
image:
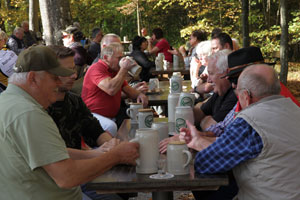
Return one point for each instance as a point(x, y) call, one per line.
point(219, 106)
point(142, 59)
point(74, 120)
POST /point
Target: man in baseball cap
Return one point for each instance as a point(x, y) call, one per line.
point(34, 157)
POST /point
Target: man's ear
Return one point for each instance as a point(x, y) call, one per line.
point(227, 46)
point(32, 78)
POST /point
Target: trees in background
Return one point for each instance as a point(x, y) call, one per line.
point(178, 18)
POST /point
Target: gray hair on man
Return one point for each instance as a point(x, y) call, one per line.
point(17, 30)
point(260, 80)
point(111, 49)
point(220, 59)
point(107, 38)
point(19, 78)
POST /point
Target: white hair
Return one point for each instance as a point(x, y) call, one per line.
point(221, 60)
point(18, 78)
point(106, 40)
point(17, 30)
point(204, 48)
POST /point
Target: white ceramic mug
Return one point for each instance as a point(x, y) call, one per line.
point(183, 113)
point(178, 158)
point(132, 111)
point(145, 118)
point(135, 70)
point(175, 83)
point(172, 104)
point(162, 128)
point(186, 99)
point(153, 83)
point(149, 150)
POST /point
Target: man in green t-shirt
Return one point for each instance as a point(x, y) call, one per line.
point(35, 163)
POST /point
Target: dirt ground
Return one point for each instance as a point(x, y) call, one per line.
point(293, 79)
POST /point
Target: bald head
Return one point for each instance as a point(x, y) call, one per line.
point(109, 38)
point(261, 80)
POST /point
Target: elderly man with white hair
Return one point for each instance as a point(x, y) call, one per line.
point(103, 84)
point(15, 41)
point(223, 99)
point(261, 145)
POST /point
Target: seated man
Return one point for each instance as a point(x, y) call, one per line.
point(15, 41)
point(103, 84)
point(253, 145)
point(72, 117)
point(222, 101)
point(35, 162)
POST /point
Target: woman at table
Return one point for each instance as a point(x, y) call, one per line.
point(161, 46)
point(139, 45)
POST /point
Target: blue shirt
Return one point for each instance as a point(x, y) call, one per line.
point(238, 143)
point(219, 127)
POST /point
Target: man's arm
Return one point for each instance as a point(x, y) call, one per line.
point(135, 94)
point(69, 173)
point(239, 142)
point(112, 85)
point(207, 122)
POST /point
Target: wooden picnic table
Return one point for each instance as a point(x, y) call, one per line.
point(124, 179)
point(169, 72)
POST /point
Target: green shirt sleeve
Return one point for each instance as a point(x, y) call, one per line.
point(37, 139)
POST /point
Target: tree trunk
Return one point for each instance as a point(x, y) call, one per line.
point(245, 23)
point(138, 18)
point(33, 15)
point(283, 42)
point(56, 16)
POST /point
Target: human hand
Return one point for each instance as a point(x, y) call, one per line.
point(107, 146)
point(142, 99)
point(127, 63)
point(163, 145)
point(174, 52)
point(190, 135)
point(141, 86)
point(127, 152)
point(204, 77)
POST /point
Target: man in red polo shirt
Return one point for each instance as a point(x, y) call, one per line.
point(103, 84)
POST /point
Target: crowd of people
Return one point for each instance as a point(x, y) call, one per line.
point(54, 139)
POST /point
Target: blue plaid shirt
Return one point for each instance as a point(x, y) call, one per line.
point(219, 127)
point(238, 143)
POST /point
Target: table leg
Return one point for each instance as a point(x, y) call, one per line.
point(166, 195)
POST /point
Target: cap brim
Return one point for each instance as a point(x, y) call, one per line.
point(61, 71)
point(234, 72)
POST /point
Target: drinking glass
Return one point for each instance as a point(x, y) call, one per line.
point(161, 173)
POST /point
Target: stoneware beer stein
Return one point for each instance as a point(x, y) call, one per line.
point(178, 158)
point(153, 84)
point(132, 111)
point(172, 104)
point(159, 61)
point(186, 99)
point(183, 113)
point(135, 70)
point(162, 129)
point(176, 83)
point(149, 153)
point(145, 118)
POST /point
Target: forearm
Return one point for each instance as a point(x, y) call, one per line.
point(207, 122)
point(75, 172)
point(104, 137)
point(112, 85)
point(77, 154)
